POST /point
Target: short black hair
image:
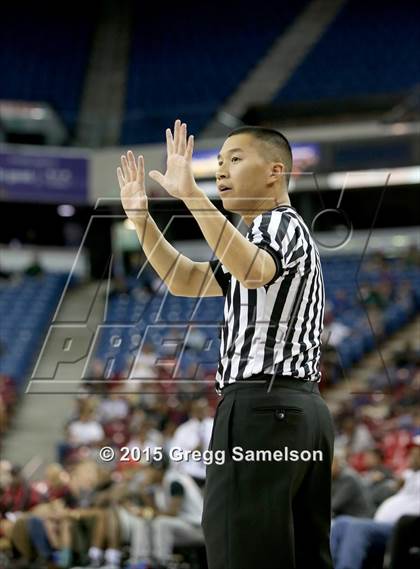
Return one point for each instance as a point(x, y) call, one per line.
point(162, 463)
point(378, 452)
point(273, 138)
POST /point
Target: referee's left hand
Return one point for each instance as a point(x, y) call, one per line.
point(178, 180)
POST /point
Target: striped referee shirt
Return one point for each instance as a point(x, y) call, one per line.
point(276, 328)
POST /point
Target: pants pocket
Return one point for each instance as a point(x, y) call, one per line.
point(214, 424)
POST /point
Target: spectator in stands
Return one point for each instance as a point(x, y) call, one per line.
point(349, 495)
point(161, 509)
point(145, 437)
point(378, 478)
point(136, 420)
point(352, 539)
point(353, 436)
point(84, 511)
point(194, 434)
point(18, 495)
point(82, 430)
point(144, 366)
point(86, 430)
point(17, 499)
point(86, 514)
point(334, 331)
point(50, 526)
point(113, 407)
point(132, 497)
point(407, 500)
point(178, 507)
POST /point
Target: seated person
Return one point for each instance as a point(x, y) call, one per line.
point(349, 495)
point(353, 539)
point(18, 498)
point(169, 514)
point(178, 510)
point(377, 477)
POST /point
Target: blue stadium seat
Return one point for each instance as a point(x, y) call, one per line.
point(188, 75)
point(26, 309)
point(45, 53)
point(371, 48)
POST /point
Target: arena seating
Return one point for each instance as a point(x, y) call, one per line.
point(26, 309)
point(132, 321)
point(343, 275)
point(370, 49)
point(164, 78)
point(45, 53)
point(153, 320)
point(355, 55)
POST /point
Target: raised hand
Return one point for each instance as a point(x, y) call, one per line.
point(178, 180)
point(133, 193)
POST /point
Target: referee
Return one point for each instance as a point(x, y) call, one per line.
point(269, 513)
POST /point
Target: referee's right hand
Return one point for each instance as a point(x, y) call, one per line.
point(133, 193)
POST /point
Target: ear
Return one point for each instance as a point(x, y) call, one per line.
point(276, 172)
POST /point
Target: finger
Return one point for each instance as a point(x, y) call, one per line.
point(190, 148)
point(140, 170)
point(182, 139)
point(157, 177)
point(132, 165)
point(121, 179)
point(177, 126)
point(169, 142)
point(125, 168)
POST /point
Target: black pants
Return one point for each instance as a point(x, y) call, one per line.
point(404, 546)
point(270, 514)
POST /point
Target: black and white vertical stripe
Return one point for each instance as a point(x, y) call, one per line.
point(275, 328)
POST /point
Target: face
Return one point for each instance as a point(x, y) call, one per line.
point(335, 467)
point(244, 177)
point(199, 409)
point(414, 458)
point(372, 459)
point(5, 473)
point(152, 476)
point(56, 475)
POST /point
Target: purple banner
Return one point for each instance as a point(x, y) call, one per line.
point(43, 177)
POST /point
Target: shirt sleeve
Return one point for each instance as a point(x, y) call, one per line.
point(221, 274)
point(280, 235)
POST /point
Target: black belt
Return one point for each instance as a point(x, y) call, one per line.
point(279, 381)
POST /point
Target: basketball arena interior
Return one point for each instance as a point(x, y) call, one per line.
point(96, 353)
